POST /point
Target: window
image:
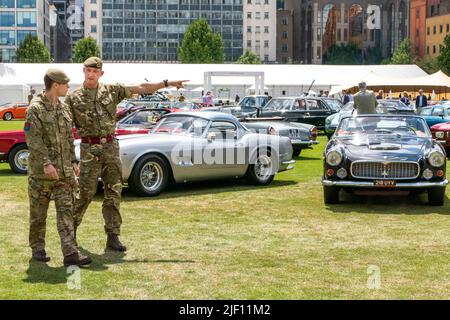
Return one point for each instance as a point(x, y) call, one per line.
point(266, 58)
point(249, 15)
point(7, 4)
point(284, 21)
point(249, 1)
point(319, 54)
point(7, 38)
point(93, 28)
point(448, 28)
point(266, 29)
point(441, 28)
point(7, 19)
point(417, 32)
point(249, 29)
point(258, 15)
point(26, 19)
point(417, 14)
point(338, 35)
point(26, 3)
point(434, 49)
point(266, 15)
point(266, 1)
point(258, 29)
point(249, 43)
point(345, 34)
point(257, 44)
point(266, 43)
point(223, 130)
point(93, 1)
point(93, 14)
point(428, 31)
point(434, 29)
point(284, 48)
point(284, 35)
point(428, 50)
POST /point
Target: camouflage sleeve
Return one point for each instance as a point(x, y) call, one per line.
point(33, 134)
point(119, 92)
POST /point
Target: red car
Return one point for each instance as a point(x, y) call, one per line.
point(14, 150)
point(441, 132)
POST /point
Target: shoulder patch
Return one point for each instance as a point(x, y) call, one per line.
point(27, 126)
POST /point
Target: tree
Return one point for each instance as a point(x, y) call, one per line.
point(249, 57)
point(201, 45)
point(430, 66)
point(85, 48)
point(402, 55)
point(444, 57)
point(32, 50)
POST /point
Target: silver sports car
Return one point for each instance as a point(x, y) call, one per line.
point(195, 146)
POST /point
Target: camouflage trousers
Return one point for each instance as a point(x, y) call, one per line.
point(40, 192)
point(101, 160)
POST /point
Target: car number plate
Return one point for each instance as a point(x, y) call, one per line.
point(384, 183)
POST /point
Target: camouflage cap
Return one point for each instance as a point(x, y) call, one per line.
point(93, 62)
point(57, 75)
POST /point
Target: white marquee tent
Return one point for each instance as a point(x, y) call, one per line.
point(292, 79)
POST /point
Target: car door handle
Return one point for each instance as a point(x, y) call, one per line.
point(307, 114)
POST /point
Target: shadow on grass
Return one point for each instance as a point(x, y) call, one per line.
point(39, 272)
point(100, 262)
point(7, 172)
point(205, 187)
point(412, 204)
point(306, 158)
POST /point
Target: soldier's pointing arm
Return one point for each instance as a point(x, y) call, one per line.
point(33, 134)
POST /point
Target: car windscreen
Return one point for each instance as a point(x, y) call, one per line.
point(383, 125)
point(426, 112)
point(278, 104)
point(334, 105)
point(181, 125)
point(146, 117)
point(348, 106)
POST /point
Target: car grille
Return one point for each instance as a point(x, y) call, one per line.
point(294, 133)
point(384, 170)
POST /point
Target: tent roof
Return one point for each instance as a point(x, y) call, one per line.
point(288, 75)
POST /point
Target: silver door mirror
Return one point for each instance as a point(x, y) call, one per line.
point(211, 137)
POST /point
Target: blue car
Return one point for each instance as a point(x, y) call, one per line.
point(436, 114)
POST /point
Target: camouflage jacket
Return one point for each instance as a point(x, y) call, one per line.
point(94, 110)
point(49, 136)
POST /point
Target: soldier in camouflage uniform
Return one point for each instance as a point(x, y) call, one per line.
point(94, 110)
point(52, 168)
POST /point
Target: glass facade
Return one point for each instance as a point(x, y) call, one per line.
point(7, 4)
point(26, 18)
point(153, 30)
point(7, 19)
point(26, 3)
point(7, 38)
point(7, 55)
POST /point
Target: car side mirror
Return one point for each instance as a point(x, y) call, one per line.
point(211, 137)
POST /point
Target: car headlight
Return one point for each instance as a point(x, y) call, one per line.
point(334, 158)
point(436, 159)
point(439, 134)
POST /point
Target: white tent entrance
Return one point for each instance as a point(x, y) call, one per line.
point(258, 75)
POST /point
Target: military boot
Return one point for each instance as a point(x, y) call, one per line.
point(77, 259)
point(114, 243)
point(40, 255)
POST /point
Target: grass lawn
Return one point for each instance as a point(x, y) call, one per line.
point(229, 240)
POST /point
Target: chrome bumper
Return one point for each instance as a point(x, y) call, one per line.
point(308, 143)
point(289, 164)
point(367, 184)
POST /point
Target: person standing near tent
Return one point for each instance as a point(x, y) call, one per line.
point(421, 100)
point(93, 108)
point(208, 99)
point(365, 101)
point(405, 98)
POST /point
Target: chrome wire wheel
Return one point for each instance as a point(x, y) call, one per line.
point(8, 116)
point(263, 167)
point(151, 176)
point(21, 159)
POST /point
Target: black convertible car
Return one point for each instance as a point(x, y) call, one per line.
point(384, 153)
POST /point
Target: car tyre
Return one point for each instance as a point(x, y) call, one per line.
point(254, 174)
point(296, 152)
point(331, 194)
point(8, 116)
point(18, 157)
point(150, 176)
point(436, 196)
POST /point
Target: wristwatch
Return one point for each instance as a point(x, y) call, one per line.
point(166, 83)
